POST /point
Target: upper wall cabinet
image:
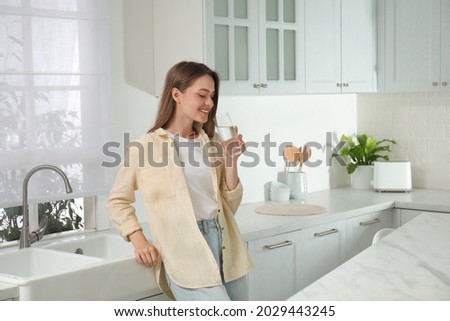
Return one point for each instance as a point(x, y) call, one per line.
point(177, 35)
point(256, 46)
point(414, 45)
point(340, 46)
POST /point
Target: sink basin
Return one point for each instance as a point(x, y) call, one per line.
point(24, 265)
point(100, 246)
point(51, 271)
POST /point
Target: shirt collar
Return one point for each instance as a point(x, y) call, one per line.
point(197, 126)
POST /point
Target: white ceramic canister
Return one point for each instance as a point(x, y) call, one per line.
point(296, 181)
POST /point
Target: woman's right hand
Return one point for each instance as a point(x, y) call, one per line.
point(145, 253)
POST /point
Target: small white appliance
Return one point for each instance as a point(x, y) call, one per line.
point(392, 176)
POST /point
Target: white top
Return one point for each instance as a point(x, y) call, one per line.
point(198, 176)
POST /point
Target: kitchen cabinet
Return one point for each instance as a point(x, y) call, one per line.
point(340, 46)
point(177, 36)
point(257, 47)
point(319, 250)
point(275, 266)
point(361, 230)
point(414, 45)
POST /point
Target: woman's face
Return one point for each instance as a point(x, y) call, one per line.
point(196, 102)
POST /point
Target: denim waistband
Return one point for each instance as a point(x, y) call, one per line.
point(205, 225)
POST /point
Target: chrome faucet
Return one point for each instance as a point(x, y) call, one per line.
point(26, 239)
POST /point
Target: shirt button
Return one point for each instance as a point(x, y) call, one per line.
point(223, 247)
point(218, 210)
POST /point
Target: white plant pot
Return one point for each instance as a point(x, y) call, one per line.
point(362, 177)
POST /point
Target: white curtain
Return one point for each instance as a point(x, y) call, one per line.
point(54, 97)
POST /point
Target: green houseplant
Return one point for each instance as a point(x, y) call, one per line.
point(63, 215)
point(364, 151)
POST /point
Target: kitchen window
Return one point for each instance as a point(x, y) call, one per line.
point(63, 216)
point(54, 99)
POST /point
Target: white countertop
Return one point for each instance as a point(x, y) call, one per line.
point(8, 291)
point(411, 263)
point(341, 203)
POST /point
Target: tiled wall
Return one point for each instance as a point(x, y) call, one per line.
point(420, 123)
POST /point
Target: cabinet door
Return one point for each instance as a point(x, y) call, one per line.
point(273, 275)
point(172, 43)
point(232, 43)
point(358, 45)
point(412, 45)
point(445, 45)
point(361, 230)
point(323, 46)
point(320, 249)
point(281, 47)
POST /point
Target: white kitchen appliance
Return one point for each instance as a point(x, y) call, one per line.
point(392, 176)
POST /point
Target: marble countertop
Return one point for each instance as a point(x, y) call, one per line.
point(411, 263)
point(341, 204)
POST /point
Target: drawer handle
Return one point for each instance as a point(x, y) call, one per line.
point(332, 231)
point(278, 245)
point(374, 221)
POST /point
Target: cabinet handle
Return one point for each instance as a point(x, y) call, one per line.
point(374, 221)
point(257, 86)
point(278, 245)
point(263, 85)
point(345, 84)
point(444, 83)
point(434, 84)
point(339, 84)
point(332, 231)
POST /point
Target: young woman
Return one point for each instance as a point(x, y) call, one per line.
point(191, 190)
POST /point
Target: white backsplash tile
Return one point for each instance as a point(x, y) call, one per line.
point(419, 123)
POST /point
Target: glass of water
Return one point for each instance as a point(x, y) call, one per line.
point(225, 130)
point(225, 127)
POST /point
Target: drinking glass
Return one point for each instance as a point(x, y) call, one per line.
point(224, 127)
point(225, 130)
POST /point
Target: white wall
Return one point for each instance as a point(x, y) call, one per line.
point(420, 123)
point(297, 119)
point(134, 109)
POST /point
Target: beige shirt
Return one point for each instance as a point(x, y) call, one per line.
point(152, 166)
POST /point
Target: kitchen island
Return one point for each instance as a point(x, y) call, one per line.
point(292, 252)
point(411, 263)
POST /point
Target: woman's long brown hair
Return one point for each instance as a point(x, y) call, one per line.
point(181, 76)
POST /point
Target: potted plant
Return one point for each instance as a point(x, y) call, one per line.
point(361, 154)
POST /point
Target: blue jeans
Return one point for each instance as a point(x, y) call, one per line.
point(212, 233)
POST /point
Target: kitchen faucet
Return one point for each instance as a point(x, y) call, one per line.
point(26, 239)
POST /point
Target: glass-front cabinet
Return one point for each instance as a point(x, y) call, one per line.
point(256, 46)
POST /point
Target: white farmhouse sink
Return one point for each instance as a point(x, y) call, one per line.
point(28, 264)
point(51, 271)
point(101, 246)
